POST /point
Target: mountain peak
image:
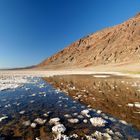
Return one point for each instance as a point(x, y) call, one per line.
point(112, 46)
point(137, 15)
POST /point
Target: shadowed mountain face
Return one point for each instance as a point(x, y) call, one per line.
point(116, 45)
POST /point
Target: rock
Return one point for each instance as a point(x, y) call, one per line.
point(107, 136)
point(119, 134)
point(67, 116)
point(22, 112)
point(111, 118)
point(130, 104)
point(73, 120)
point(89, 106)
point(89, 137)
point(85, 113)
point(59, 128)
point(101, 136)
point(109, 131)
point(137, 104)
point(80, 116)
point(75, 114)
point(85, 121)
point(42, 85)
point(33, 95)
point(3, 118)
point(54, 121)
point(74, 136)
point(62, 137)
point(124, 122)
point(40, 121)
point(97, 135)
point(98, 121)
point(46, 115)
point(27, 89)
point(6, 106)
point(37, 139)
point(33, 125)
point(99, 111)
point(42, 93)
point(27, 123)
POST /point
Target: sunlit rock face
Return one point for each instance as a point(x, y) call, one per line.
point(114, 45)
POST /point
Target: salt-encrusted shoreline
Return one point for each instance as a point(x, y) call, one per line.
point(48, 73)
point(15, 79)
point(12, 81)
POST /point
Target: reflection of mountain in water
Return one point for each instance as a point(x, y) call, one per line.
point(113, 95)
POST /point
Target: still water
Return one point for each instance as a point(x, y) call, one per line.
point(115, 95)
point(76, 100)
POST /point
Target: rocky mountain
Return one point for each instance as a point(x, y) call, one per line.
point(119, 45)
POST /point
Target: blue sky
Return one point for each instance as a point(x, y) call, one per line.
point(32, 30)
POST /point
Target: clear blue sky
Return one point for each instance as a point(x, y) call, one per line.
point(32, 30)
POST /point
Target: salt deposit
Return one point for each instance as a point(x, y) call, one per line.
point(3, 118)
point(67, 115)
point(54, 121)
point(40, 121)
point(137, 104)
point(26, 123)
point(12, 82)
point(59, 128)
point(85, 113)
point(74, 136)
point(85, 120)
point(37, 139)
point(101, 76)
point(73, 120)
point(98, 121)
point(130, 104)
point(100, 135)
point(22, 112)
point(33, 125)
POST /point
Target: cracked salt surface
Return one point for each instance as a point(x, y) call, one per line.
point(12, 82)
point(30, 111)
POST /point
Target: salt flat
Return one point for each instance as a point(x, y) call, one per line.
point(11, 79)
point(47, 73)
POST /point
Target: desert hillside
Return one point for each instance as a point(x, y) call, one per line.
point(118, 45)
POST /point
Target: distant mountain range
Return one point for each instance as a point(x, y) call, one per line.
point(118, 45)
